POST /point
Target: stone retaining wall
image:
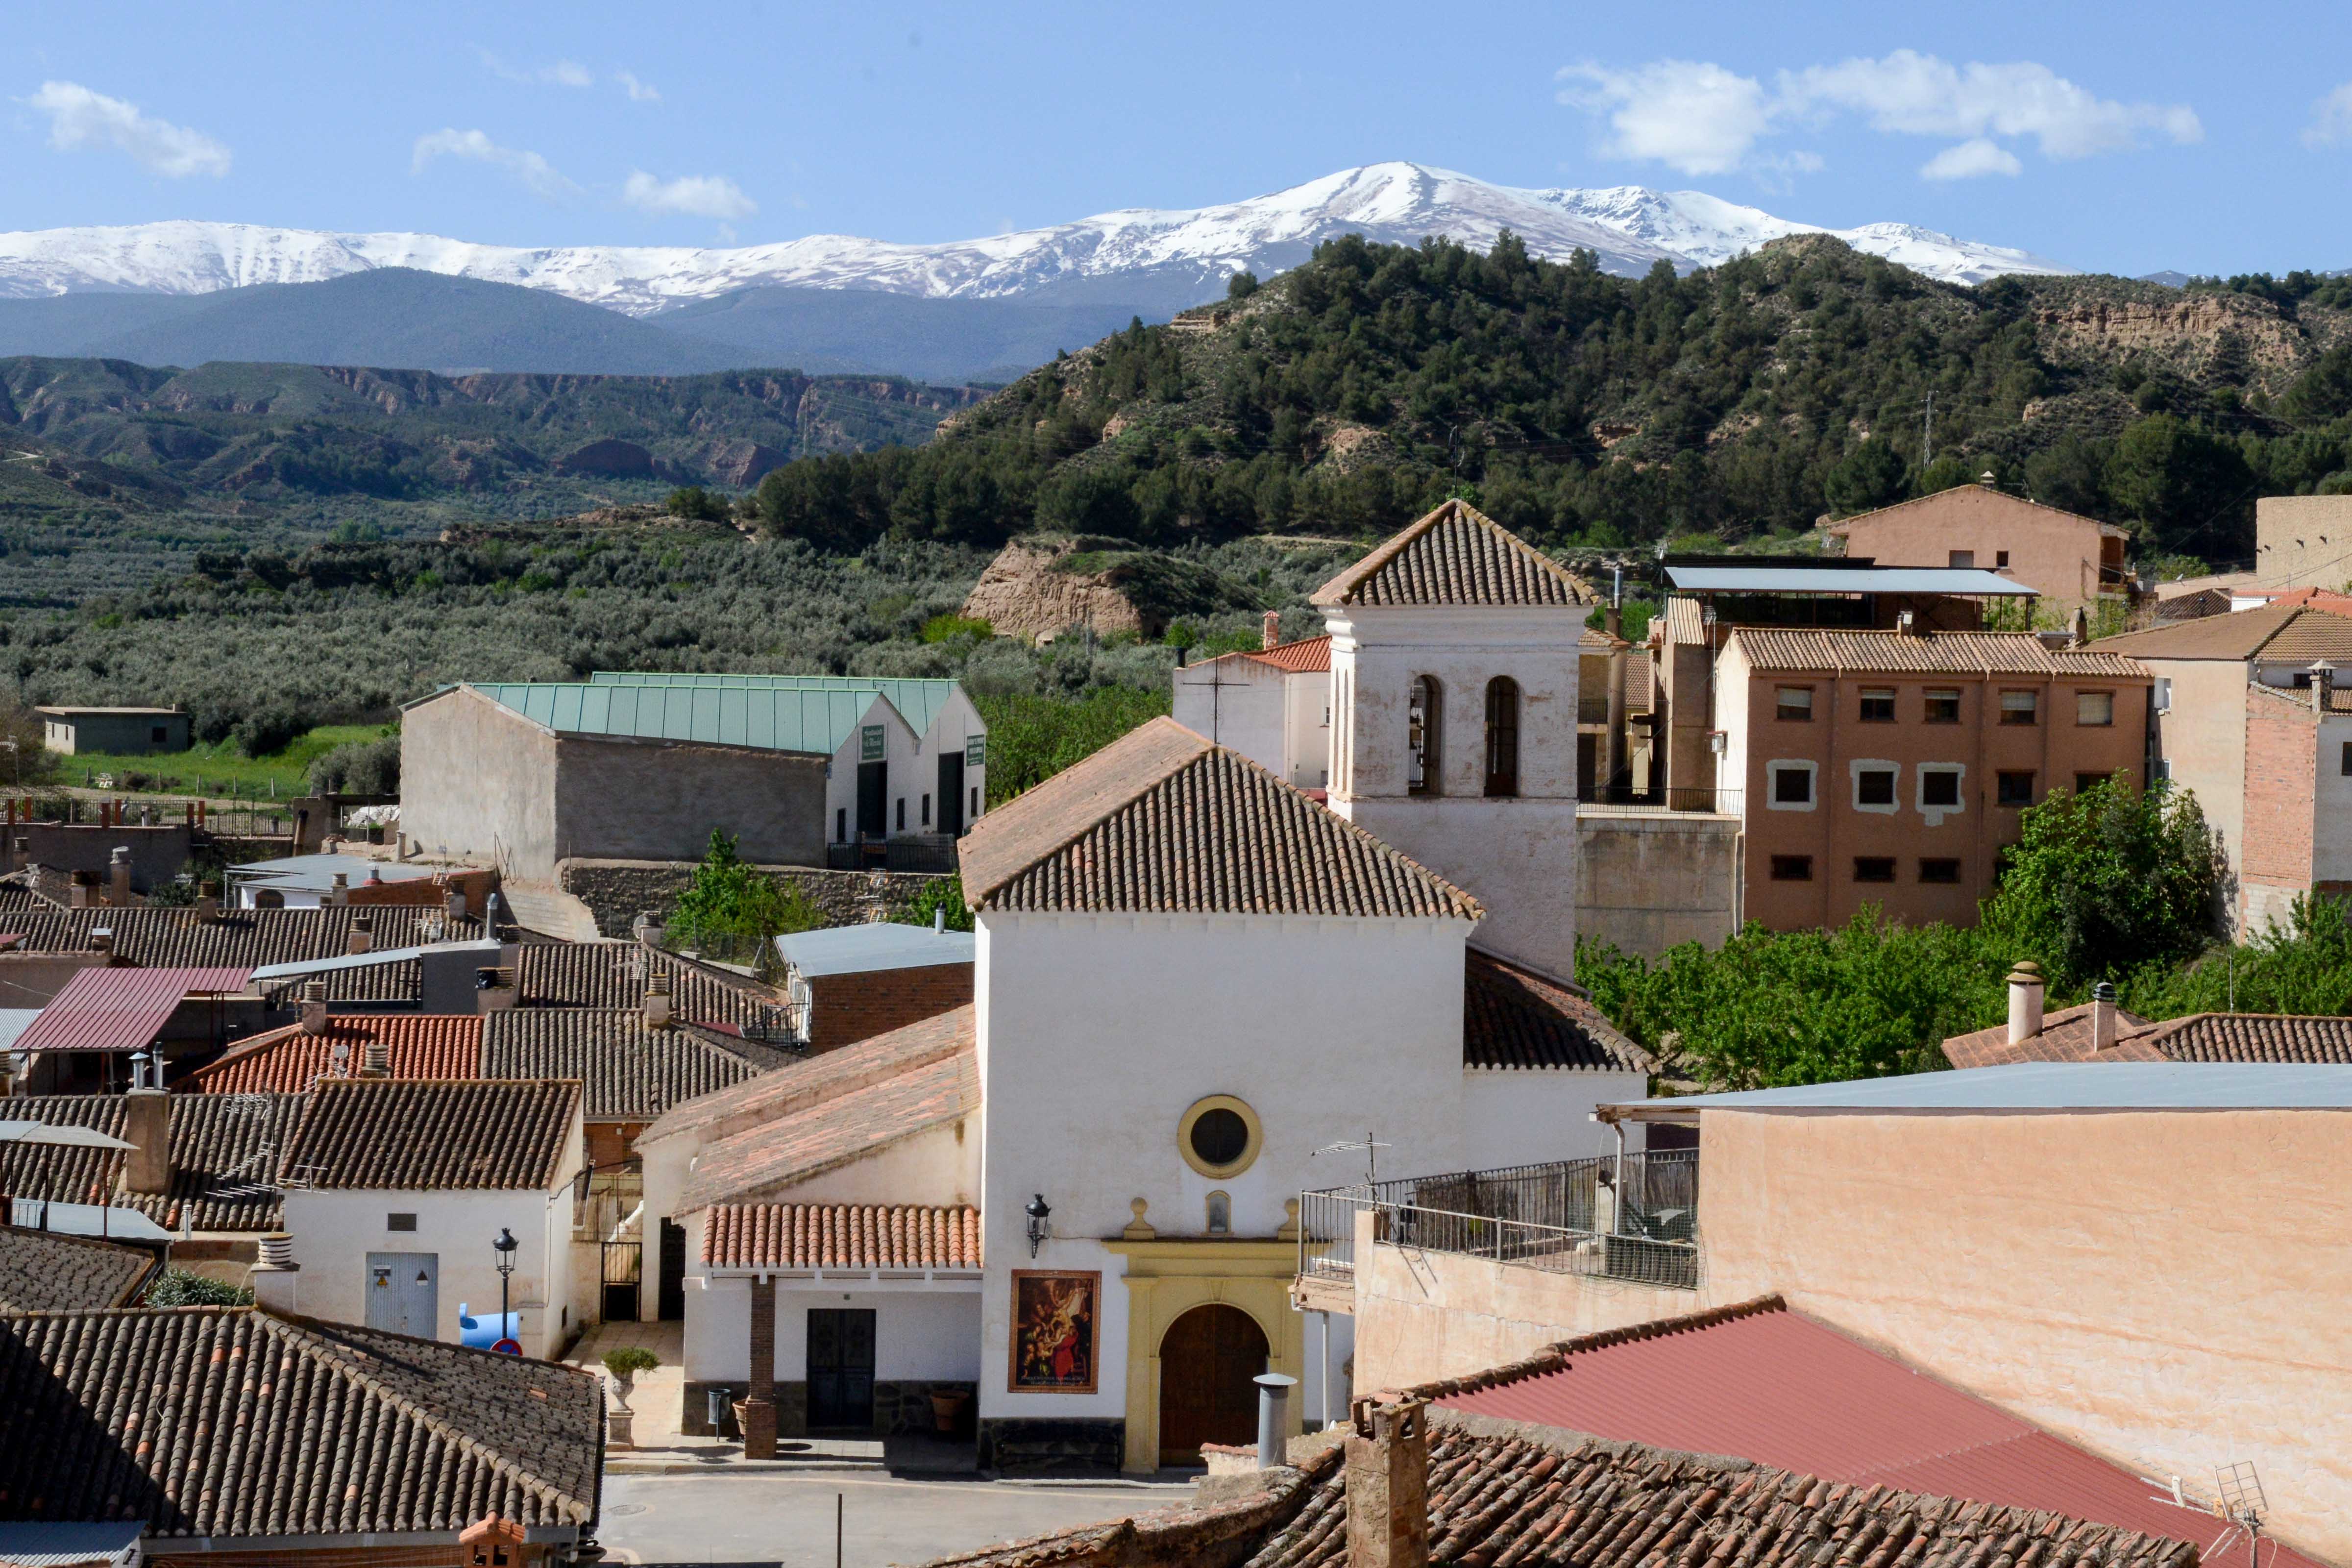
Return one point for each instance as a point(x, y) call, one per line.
point(620, 891)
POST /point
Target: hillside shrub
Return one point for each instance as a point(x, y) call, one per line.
point(359, 767)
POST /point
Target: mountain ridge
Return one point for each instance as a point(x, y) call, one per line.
point(1630, 227)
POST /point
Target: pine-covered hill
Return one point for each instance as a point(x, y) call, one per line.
point(1740, 401)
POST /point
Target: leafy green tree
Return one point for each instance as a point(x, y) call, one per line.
point(1031, 738)
point(179, 1288)
point(1948, 472)
point(1872, 475)
point(938, 900)
point(2104, 881)
point(1241, 284)
point(732, 908)
point(2323, 393)
point(2302, 965)
point(697, 504)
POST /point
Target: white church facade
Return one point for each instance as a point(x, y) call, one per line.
point(1072, 1205)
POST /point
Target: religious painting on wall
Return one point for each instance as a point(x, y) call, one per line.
point(1056, 1328)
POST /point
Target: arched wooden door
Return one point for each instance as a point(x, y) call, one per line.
point(1206, 1363)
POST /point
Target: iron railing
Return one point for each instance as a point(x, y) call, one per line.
point(1632, 1217)
point(1665, 799)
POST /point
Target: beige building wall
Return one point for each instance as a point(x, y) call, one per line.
point(2057, 553)
point(2200, 733)
point(2302, 542)
point(2165, 1288)
point(1647, 880)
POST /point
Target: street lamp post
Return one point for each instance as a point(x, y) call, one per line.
point(505, 1248)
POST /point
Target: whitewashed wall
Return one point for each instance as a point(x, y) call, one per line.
point(921, 1331)
point(1514, 1116)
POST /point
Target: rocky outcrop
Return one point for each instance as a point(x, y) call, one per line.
point(2186, 330)
point(1025, 595)
point(609, 458)
point(739, 465)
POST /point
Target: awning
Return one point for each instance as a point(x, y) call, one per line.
point(122, 1009)
point(1960, 581)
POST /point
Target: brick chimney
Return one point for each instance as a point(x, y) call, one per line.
point(118, 877)
point(1272, 636)
point(2025, 993)
point(82, 889)
point(657, 1014)
point(147, 1127)
point(339, 892)
point(2103, 1018)
point(314, 1007)
point(362, 935)
point(1388, 1485)
point(101, 939)
point(2322, 678)
point(208, 901)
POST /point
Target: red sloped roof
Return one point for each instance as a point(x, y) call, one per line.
point(120, 1009)
point(1766, 1384)
point(1308, 655)
point(435, 1046)
point(842, 1236)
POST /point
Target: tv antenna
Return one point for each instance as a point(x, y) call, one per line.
point(1368, 1146)
point(2238, 1503)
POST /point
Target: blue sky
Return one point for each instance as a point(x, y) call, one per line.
point(2115, 138)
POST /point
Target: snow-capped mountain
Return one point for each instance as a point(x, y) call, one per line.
point(1631, 228)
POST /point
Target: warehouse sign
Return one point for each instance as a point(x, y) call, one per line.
point(873, 744)
point(975, 751)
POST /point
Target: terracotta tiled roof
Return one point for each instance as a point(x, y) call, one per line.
point(1308, 655)
point(42, 1271)
point(2199, 1037)
point(287, 1060)
point(2327, 599)
point(1762, 1383)
point(1456, 555)
point(433, 1136)
point(613, 973)
point(233, 1422)
point(158, 937)
point(765, 1160)
point(841, 1235)
point(1162, 821)
point(817, 1079)
point(1927, 653)
point(1514, 1018)
point(223, 1149)
point(2273, 632)
point(628, 1071)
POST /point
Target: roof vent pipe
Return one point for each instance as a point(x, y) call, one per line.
point(2025, 995)
point(940, 919)
point(2103, 1018)
point(208, 901)
point(118, 877)
point(375, 1059)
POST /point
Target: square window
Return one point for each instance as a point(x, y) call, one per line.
point(1943, 705)
point(2001, 560)
point(156, 735)
point(1961, 559)
point(1878, 705)
point(2021, 707)
point(400, 1222)
point(1938, 787)
point(2096, 709)
point(2012, 788)
point(2090, 781)
point(1792, 786)
point(1793, 867)
point(1795, 704)
point(1874, 786)
point(1945, 871)
point(1873, 867)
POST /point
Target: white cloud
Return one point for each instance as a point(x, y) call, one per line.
point(1909, 93)
point(1694, 116)
point(80, 119)
point(696, 195)
point(1698, 117)
point(1970, 159)
point(568, 73)
point(528, 167)
point(2331, 119)
point(638, 92)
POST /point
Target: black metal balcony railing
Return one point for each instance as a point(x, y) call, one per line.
point(908, 852)
point(1665, 799)
point(1632, 1217)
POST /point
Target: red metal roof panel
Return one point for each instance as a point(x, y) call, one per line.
point(120, 1009)
point(1778, 1388)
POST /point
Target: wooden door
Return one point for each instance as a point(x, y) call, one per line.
point(1207, 1363)
point(841, 1368)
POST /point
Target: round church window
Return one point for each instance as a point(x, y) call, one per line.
point(1219, 1136)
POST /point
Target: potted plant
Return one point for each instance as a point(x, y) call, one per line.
point(624, 1361)
point(947, 1407)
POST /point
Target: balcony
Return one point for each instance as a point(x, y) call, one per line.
point(1632, 1217)
point(932, 852)
point(1614, 800)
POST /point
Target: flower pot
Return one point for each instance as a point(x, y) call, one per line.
point(947, 1408)
point(621, 1388)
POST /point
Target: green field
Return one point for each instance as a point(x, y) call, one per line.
point(218, 771)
